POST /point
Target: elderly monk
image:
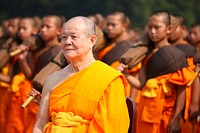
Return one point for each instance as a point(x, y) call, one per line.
point(85, 96)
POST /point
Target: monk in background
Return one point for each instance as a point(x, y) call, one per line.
point(194, 36)
point(177, 39)
point(117, 42)
point(74, 99)
point(8, 43)
point(117, 39)
point(194, 112)
point(20, 84)
point(50, 38)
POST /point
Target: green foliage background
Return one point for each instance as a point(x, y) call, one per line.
point(137, 10)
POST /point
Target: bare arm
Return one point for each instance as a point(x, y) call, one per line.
point(194, 103)
point(43, 116)
point(134, 81)
point(174, 125)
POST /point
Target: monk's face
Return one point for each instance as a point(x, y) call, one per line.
point(26, 29)
point(194, 35)
point(49, 29)
point(157, 28)
point(114, 26)
point(75, 42)
point(13, 27)
point(177, 34)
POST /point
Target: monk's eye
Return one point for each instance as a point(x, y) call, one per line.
point(74, 37)
point(157, 27)
point(63, 37)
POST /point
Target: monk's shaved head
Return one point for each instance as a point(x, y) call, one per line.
point(196, 25)
point(164, 14)
point(89, 26)
point(123, 17)
point(58, 20)
point(180, 20)
point(30, 20)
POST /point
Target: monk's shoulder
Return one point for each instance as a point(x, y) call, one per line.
point(51, 80)
point(107, 70)
point(57, 77)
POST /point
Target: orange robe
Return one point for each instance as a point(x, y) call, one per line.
point(4, 101)
point(20, 120)
point(188, 90)
point(102, 53)
point(155, 113)
point(92, 100)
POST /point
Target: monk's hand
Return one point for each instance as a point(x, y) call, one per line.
point(174, 126)
point(123, 68)
point(194, 107)
point(36, 94)
point(23, 54)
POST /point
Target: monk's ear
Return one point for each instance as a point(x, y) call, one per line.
point(169, 29)
point(93, 39)
point(59, 31)
point(35, 30)
point(124, 27)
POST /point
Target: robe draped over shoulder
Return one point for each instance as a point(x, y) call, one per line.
point(90, 101)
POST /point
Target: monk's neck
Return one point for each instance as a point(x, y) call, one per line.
point(120, 38)
point(162, 43)
point(81, 64)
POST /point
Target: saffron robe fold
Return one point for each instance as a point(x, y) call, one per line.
point(90, 101)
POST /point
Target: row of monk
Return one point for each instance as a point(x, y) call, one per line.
point(45, 62)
